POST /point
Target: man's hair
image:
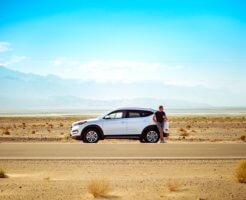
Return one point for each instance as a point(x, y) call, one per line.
point(160, 106)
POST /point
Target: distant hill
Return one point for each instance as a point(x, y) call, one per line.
point(21, 90)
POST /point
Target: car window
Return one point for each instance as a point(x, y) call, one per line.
point(116, 115)
point(146, 113)
point(138, 113)
point(132, 114)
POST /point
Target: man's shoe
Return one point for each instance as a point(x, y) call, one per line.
point(162, 142)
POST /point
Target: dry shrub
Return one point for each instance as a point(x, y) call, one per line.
point(61, 124)
point(188, 126)
point(46, 178)
point(62, 133)
point(184, 132)
point(66, 136)
point(51, 125)
point(99, 188)
point(6, 132)
point(174, 185)
point(33, 132)
point(241, 172)
point(243, 137)
point(193, 131)
point(3, 174)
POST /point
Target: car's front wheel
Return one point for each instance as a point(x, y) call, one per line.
point(91, 136)
point(151, 136)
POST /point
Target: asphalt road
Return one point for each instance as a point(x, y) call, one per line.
point(121, 151)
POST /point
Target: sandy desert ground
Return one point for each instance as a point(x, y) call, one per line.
point(129, 179)
point(182, 129)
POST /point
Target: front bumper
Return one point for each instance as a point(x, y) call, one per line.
point(76, 137)
point(75, 132)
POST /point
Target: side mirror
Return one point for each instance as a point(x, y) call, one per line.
point(107, 117)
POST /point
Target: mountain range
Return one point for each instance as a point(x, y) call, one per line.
point(20, 90)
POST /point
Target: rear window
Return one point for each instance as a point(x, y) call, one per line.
point(146, 113)
point(132, 114)
point(138, 113)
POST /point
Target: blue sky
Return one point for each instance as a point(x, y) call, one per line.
point(182, 43)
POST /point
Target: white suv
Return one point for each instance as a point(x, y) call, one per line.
point(135, 123)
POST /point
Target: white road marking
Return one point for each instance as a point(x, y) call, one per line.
point(124, 158)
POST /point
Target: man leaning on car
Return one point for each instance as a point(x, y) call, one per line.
point(160, 118)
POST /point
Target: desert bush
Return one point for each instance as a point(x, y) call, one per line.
point(62, 133)
point(188, 126)
point(66, 136)
point(33, 132)
point(61, 124)
point(241, 171)
point(3, 174)
point(51, 125)
point(47, 178)
point(6, 132)
point(99, 188)
point(184, 132)
point(174, 185)
point(193, 131)
point(243, 137)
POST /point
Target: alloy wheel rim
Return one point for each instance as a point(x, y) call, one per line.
point(152, 136)
point(92, 136)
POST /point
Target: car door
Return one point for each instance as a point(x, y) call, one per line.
point(115, 123)
point(135, 122)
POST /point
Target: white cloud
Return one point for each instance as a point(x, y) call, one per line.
point(111, 70)
point(182, 82)
point(65, 61)
point(123, 71)
point(5, 46)
point(12, 60)
point(126, 71)
point(57, 62)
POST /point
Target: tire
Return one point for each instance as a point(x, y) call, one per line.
point(91, 136)
point(142, 139)
point(151, 136)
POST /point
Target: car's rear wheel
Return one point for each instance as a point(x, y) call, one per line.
point(151, 136)
point(142, 139)
point(91, 136)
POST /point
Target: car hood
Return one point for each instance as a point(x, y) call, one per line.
point(87, 120)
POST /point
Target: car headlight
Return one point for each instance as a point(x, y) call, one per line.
point(79, 123)
point(75, 131)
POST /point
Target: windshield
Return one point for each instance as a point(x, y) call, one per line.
point(102, 115)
